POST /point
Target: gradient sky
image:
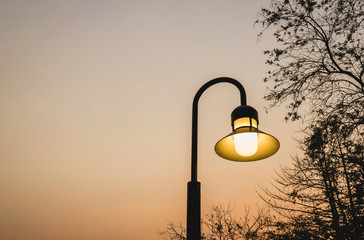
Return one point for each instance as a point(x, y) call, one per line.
point(95, 113)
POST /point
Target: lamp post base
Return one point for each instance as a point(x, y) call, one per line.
point(193, 210)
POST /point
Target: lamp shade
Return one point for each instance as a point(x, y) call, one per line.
point(246, 143)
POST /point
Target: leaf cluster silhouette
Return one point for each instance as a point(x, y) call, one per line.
point(317, 70)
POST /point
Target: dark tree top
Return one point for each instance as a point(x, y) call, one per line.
point(319, 57)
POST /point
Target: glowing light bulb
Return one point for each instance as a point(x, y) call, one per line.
point(246, 144)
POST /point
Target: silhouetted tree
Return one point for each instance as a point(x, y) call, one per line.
point(325, 187)
point(298, 228)
point(319, 62)
point(320, 57)
point(220, 224)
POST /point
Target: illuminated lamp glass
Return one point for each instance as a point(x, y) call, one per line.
point(246, 143)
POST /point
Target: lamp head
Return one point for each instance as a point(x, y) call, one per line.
point(246, 143)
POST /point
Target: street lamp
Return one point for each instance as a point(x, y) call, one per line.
point(246, 143)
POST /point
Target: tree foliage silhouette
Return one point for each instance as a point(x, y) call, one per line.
point(325, 187)
point(320, 57)
point(318, 69)
point(220, 223)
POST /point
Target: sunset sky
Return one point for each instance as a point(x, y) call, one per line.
point(95, 113)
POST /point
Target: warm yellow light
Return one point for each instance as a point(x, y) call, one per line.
point(246, 144)
point(228, 147)
point(245, 122)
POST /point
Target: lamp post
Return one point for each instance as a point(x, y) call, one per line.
point(246, 143)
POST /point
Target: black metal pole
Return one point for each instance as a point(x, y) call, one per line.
point(194, 187)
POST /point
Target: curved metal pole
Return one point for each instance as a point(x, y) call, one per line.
point(195, 116)
point(194, 187)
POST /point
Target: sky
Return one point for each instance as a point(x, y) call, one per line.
point(95, 113)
